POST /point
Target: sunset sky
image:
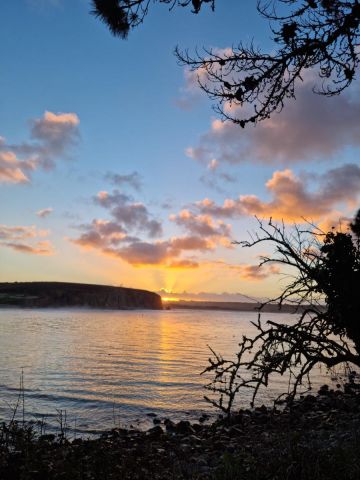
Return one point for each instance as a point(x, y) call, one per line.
point(114, 168)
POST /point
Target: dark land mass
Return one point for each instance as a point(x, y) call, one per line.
point(236, 306)
point(61, 294)
point(317, 438)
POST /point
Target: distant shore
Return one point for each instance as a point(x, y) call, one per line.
point(233, 306)
point(63, 294)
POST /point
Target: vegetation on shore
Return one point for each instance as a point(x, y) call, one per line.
point(65, 294)
point(323, 271)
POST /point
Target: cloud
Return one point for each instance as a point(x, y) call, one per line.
point(133, 180)
point(25, 239)
point(336, 222)
point(163, 253)
point(311, 127)
point(118, 236)
point(255, 273)
point(102, 234)
point(131, 215)
point(41, 248)
point(292, 199)
point(184, 264)
point(202, 225)
point(20, 232)
point(229, 209)
point(52, 135)
point(214, 178)
point(139, 253)
point(114, 237)
point(191, 93)
point(12, 170)
point(45, 212)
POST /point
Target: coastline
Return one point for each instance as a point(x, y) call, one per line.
point(234, 306)
point(317, 437)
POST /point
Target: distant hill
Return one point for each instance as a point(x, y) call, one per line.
point(61, 294)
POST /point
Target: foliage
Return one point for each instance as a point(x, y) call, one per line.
point(325, 293)
point(309, 34)
point(122, 15)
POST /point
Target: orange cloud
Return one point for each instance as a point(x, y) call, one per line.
point(255, 272)
point(292, 199)
point(41, 248)
point(183, 264)
point(165, 253)
point(25, 239)
point(10, 169)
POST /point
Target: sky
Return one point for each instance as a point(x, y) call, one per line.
point(115, 169)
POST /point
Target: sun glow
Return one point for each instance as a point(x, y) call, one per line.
point(169, 299)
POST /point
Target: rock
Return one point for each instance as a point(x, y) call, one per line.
point(324, 390)
point(47, 438)
point(169, 425)
point(155, 431)
point(156, 421)
point(203, 418)
point(197, 427)
point(184, 427)
point(262, 409)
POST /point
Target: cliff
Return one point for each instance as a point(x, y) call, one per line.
point(60, 294)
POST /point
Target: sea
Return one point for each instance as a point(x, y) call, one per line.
point(94, 370)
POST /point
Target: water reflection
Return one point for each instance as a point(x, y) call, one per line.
point(108, 366)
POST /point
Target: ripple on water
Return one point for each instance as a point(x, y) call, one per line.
point(107, 368)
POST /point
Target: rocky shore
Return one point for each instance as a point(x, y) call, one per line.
point(318, 437)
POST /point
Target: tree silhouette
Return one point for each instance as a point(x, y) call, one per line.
point(122, 15)
point(309, 34)
point(325, 291)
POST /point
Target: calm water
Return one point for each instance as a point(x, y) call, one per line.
point(111, 368)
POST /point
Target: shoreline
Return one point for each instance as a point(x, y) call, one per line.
point(317, 437)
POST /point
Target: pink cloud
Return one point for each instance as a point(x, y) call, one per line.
point(312, 127)
point(255, 273)
point(203, 225)
point(128, 214)
point(45, 212)
point(25, 239)
point(20, 232)
point(52, 135)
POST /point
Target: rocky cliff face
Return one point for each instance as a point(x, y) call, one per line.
point(58, 294)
